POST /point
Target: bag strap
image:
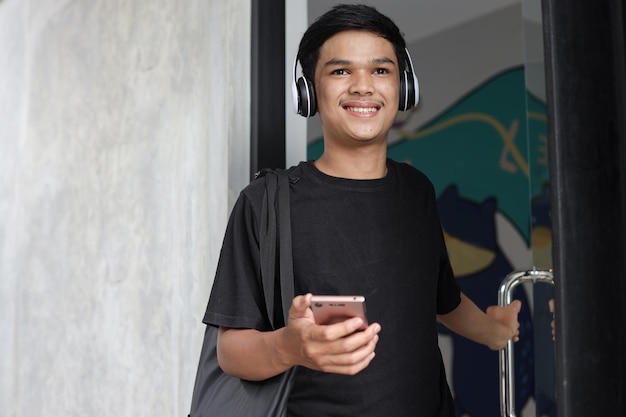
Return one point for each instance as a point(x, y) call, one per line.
point(285, 256)
point(267, 244)
point(276, 187)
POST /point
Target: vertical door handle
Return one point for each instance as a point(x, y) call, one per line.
point(507, 371)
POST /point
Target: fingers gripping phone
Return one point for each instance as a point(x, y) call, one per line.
point(330, 309)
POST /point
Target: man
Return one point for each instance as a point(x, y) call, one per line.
point(362, 225)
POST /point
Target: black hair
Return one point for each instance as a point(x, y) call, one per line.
point(347, 17)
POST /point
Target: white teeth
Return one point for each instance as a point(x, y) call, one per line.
point(362, 109)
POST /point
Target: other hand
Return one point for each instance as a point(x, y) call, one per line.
point(508, 317)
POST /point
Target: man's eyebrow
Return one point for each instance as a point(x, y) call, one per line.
point(383, 60)
point(340, 62)
point(337, 62)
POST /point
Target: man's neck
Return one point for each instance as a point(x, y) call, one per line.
point(353, 165)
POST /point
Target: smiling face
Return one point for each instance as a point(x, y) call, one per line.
point(357, 87)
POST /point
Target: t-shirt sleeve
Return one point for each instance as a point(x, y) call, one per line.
point(236, 298)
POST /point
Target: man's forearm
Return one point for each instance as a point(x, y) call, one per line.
point(471, 322)
point(250, 354)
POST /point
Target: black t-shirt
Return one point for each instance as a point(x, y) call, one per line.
point(378, 238)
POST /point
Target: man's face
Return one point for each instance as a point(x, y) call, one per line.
point(357, 87)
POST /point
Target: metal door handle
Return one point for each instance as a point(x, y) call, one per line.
point(507, 373)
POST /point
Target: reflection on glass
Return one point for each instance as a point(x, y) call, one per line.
point(539, 188)
point(539, 175)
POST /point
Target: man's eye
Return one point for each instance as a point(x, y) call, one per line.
point(340, 72)
point(381, 71)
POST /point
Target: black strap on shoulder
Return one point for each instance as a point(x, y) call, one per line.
point(267, 244)
point(285, 253)
point(276, 190)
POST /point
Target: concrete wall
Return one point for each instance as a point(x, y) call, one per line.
point(124, 136)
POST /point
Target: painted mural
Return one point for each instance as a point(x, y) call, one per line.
point(479, 154)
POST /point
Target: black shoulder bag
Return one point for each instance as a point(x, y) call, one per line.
point(216, 394)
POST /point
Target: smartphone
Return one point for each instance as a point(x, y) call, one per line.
point(330, 309)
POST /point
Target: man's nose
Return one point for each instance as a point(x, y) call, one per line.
point(361, 83)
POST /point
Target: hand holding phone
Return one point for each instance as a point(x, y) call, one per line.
point(331, 309)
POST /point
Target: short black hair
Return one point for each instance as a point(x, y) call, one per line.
point(347, 17)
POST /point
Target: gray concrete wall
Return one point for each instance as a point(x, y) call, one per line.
point(124, 133)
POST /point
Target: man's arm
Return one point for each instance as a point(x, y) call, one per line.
point(338, 348)
point(494, 328)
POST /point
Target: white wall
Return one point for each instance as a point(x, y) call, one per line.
point(123, 143)
point(296, 24)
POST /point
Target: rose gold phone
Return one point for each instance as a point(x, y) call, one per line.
point(330, 309)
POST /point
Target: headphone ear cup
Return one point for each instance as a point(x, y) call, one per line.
point(312, 98)
point(303, 97)
point(415, 90)
point(409, 91)
point(306, 93)
point(404, 94)
point(306, 97)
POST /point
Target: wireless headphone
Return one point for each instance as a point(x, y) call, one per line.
point(305, 103)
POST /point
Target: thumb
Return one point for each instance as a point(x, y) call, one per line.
point(516, 306)
point(500, 313)
point(300, 306)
